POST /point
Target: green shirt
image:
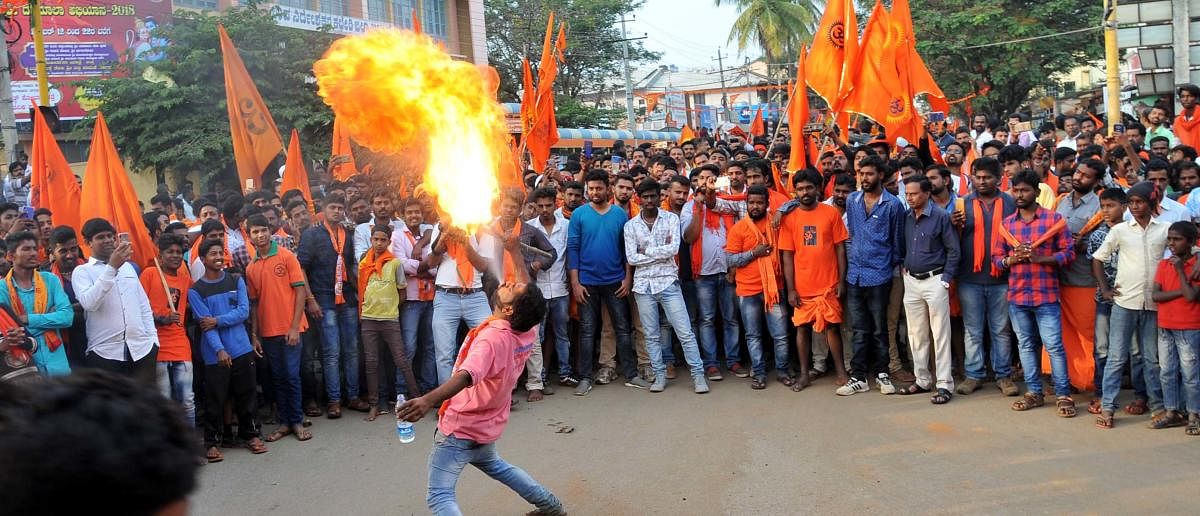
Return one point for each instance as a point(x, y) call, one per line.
point(381, 299)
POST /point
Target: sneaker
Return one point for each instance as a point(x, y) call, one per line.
point(700, 385)
point(1007, 386)
point(659, 384)
point(670, 371)
point(739, 371)
point(606, 375)
point(646, 372)
point(637, 382)
point(713, 373)
point(567, 380)
point(885, 384)
point(585, 386)
point(968, 386)
point(547, 389)
point(852, 387)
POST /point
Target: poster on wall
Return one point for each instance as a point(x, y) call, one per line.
point(84, 39)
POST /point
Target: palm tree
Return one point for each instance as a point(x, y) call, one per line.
point(777, 26)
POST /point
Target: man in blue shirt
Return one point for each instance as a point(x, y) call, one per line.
point(600, 276)
point(875, 219)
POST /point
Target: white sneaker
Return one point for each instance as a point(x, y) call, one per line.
point(885, 384)
point(854, 386)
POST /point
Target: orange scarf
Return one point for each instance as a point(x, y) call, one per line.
point(964, 172)
point(20, 356)
point(466, 271)
point(1059, 199)
point(1092, 223)
point(510, 267)
point(41, 303)
point(337, 237)
point(978, 245)
point(466, 349)
point(714, 221)
point(1188, 131)
point(371, 265)
point(768, 266)
point(424, 285)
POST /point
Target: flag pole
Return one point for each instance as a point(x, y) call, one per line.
point(166, 288)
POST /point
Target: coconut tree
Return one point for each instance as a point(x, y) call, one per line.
point(778, 27)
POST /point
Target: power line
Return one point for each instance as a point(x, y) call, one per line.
point(1032, 38)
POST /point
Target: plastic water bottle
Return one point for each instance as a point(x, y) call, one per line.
point(404, 429)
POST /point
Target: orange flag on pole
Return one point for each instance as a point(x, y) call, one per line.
point(295, 176)
point(909, 64)
point(108, 194)
point(878, 92)
point(834, 53)
point(797, 115)
point(53, 183)
point(544, 131)
point(256, 140)
point(757, 127)
point(686, 135)
point(341, 150)
point(416, 22)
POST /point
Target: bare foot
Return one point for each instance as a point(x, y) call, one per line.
point(372, 414)
point(842, 379)
point(534, 395)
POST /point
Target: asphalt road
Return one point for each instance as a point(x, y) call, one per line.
point(738, 451)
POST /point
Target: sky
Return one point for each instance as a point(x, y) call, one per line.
point(688, 32)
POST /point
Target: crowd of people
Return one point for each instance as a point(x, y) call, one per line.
point(917, 267)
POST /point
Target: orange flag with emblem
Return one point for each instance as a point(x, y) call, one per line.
point(878, 92)
point(834, 52)
point(797, 115)
point(295, 176)
point(256, 140)
point(909, 64)
point(108, 194)
point(341, 150)
point(53, 183)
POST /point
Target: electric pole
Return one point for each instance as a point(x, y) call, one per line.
point(724, 94)
point(8, 118)
point(628, 81)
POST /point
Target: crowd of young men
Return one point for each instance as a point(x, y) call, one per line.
point(918, 267)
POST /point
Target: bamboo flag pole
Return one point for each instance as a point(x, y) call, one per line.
point(166, 288)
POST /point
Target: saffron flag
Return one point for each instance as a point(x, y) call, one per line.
point(53, 183)
point(108, 194)
point(295, 176)
point(256, 140)
point(686, 135)
point(909, 64)
point(344, 168)
point(878, 93)
point(757, 127)
point(416, 22)
point(797, 115)
point(834, 54)
point(543, 133)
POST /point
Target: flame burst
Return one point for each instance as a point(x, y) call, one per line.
point(399, 93)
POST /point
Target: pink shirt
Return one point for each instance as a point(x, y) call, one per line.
point(495, 361)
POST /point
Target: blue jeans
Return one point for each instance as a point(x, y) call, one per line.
point(448, 310)
point(868, 317)
point(985, 309)
point(753, 311)
point(1132, 335)
point(451, 454)
point(713, 292)
point(688, 287)
point(1030, 322)
point(1179, 352)
point(558, 315)
point(589, 324)
point(1100, 352)
point(175, 382)
point(285, 374)
point(339, 347)
point(416, 321)
point(670, 302)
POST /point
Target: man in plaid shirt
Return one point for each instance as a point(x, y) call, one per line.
point(1035, 245)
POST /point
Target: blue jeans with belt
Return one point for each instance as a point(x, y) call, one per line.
point(451, 454)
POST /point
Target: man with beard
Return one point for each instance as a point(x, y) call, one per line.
point(750, 252)
point(843, 185)
point(1160, 147)
point(1070, 124)
point(1188, 173)
point(964, 138)
point(940, 193)
point(1156, 125)
point(1187, 123)
point(813, 261)
point(954, 155)
point(758, 172)
point(1081, 209)
point(381, 212)
point(981, 131)
point(623, 187)
point(64, 254)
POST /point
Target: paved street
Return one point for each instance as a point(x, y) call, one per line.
point(737, 451)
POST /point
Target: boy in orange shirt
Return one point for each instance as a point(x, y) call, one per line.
point(1178, 298)
point(812, 240)
point(750, 254)
point(174, 348)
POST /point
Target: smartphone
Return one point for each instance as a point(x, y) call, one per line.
point(937, 116)
point(123, 238)
point(1022, 127)
point(722, 183)
point(616, 160)
point(1118, 128)
point(587, 149)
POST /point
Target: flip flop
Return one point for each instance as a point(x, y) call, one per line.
point(278, 434)
point(256, 446)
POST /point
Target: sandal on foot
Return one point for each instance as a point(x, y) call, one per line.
point(942, 397)
point(1166, 419)
point(758, 383)
point(1136, 407)
point(256, 446)
point(358, 405)
point(1105, 420)
point(786, 380)
point(1029, 401)
point(1094, 406)
point(333, 410)
point(312, 410)
point(1065, 406)
point(911, 389)
point(278, 434)
point(214, 455)
point(1193, 425)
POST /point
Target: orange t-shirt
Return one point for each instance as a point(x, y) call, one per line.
point(173, 343)
point(273, 278)
point(742, 238)
point(775, 200)
point(813, 236)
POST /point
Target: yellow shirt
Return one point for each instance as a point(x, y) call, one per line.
point(1046, 196)
point(381, 300)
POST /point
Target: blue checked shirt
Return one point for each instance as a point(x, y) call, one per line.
point(876, 244)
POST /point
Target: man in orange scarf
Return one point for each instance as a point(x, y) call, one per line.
point(326, 253)
point(460, 260)
point(751, 254)
point(38, 302)
point(1081, 210)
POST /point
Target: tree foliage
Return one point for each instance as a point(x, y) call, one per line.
point(944, 28)
point(185, 127)
point(778, 27)
point(516, 29)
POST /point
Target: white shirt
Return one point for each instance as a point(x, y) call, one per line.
point(447, 273)
point(981, 138)
point(553, 281)
point(117, 310)
point(713, 246)
point(651, 251)
point(1140, 249)
point(402, 249)
point(362, 236)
